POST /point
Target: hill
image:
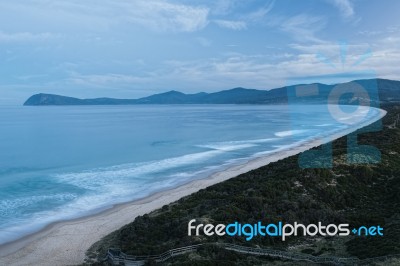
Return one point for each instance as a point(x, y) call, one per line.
point(389, 90)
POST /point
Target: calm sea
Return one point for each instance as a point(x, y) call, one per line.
point(64, 162)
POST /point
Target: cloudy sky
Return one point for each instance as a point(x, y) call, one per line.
point(134, 48)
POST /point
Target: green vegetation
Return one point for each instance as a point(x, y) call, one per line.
point(356, 194)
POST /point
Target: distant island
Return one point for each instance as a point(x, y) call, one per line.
point(388, 91)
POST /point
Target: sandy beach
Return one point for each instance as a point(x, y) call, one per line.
point(65, 243)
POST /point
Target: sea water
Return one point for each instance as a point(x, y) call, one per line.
point(64, 162)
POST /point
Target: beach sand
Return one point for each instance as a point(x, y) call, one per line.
point(65, 243)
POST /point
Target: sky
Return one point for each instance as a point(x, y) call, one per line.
point(135, 48)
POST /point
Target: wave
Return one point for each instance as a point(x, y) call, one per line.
point(11, 206)
point(323, 125)
point(90, 203)
point(104, 187)
point(236, 144)
point(222, 147)
point(13, 229)
point(288, 133)
point(102, 177)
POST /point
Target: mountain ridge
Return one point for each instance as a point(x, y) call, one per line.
point(388, 90)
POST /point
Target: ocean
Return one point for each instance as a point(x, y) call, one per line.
point(65, 162)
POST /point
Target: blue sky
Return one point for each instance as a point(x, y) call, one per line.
point(134, 48)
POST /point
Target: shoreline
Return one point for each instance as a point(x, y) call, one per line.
point(53, 244)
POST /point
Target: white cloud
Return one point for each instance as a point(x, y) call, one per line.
point(262, 71)
point(105, 80)
point(303, 27)
point(330, 49)
point(381, 32)
point(379, 58)
point(157, 15)
point(345, 7)
point(260, 14)
point(165, 16)
point(231, 24)
point(223, 7)
point(24, 36)
point(246, 19)
point(265, 72)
